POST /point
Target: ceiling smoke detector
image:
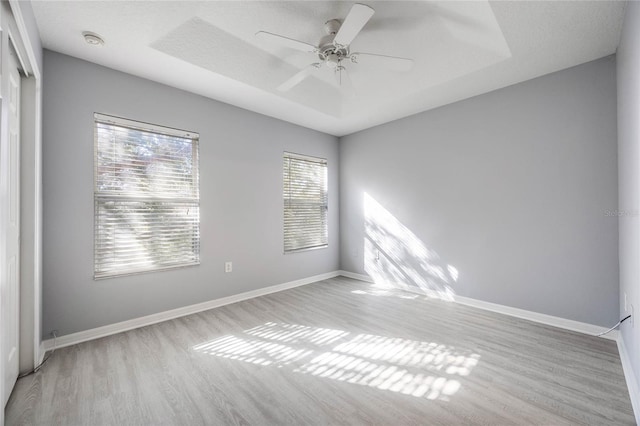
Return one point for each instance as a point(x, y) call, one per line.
point(93, 38)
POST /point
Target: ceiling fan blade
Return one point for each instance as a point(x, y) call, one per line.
point(391, 62)
point(344, 81)
point(298, 77)
point(287, 42)
point(358, 16)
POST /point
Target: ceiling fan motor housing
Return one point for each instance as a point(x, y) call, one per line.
point(329, 52)
point(332, 26)
point(333, 48)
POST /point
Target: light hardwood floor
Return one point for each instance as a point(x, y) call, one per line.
point(334, 352)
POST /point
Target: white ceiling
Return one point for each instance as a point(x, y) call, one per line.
point(460, 48)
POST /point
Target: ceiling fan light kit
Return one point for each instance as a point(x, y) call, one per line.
point(333, 49)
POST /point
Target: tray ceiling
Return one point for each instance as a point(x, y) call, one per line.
point(460, 49)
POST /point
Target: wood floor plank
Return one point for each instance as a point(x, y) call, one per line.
point(338, 351)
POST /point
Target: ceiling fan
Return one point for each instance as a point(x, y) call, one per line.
point(333, 49)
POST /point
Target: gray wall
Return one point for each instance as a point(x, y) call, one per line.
point(628, 62)
point(510, 188)
point(240, 186)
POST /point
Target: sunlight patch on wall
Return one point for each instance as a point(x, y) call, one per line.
point(395, 257)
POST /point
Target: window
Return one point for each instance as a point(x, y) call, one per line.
point(146, 197)
point(305, 202)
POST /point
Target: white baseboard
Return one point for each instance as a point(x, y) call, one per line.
point(95, 333)
point(632, 384)
point(107, 330)
point(567, 324)
point(554, 321)
point(355, 276)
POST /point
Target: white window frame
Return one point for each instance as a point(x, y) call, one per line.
point(322, 204)
point(193, 200)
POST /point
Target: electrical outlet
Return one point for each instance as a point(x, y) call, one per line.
point(228, 266)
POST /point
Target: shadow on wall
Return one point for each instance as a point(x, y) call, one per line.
point(395, 257)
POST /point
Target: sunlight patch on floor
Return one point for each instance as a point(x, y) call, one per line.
point(410, 367)
point(251, 351)
point(296, 333)
point(359, 371)
point(413, 353)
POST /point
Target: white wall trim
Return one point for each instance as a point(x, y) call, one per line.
point(26, 39)
point(34, 66)
point(355, 276)
point(632, 385)
point(554, 321)
point(107, 330)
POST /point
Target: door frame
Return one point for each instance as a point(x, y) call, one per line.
point(23, 35)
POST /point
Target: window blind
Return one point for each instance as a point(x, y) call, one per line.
point(305, 202)
point(146, 197)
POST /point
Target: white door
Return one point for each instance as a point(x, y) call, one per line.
point(11, 284)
